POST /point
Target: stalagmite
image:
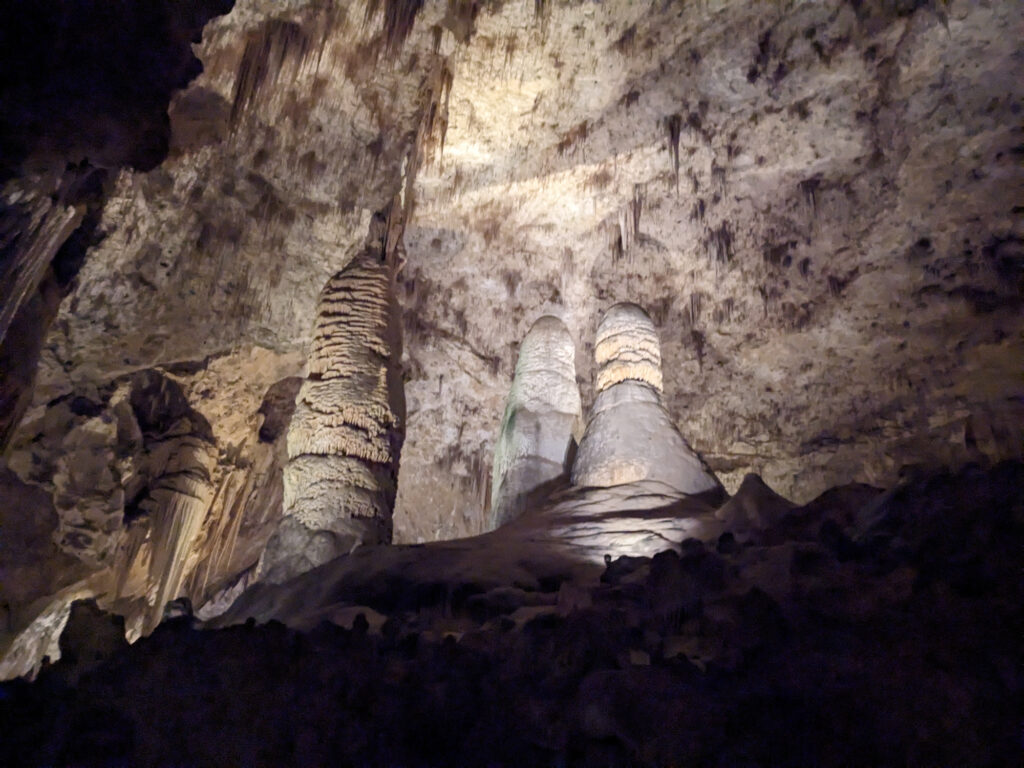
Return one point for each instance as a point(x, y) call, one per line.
point(346, 433)
point(541, 419)
point(630, 436)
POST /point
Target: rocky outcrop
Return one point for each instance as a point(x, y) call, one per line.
point(630, 436)
point(131, 484)
point(345, 436)
point(843, 632)
point(81, 100)
point(540, 427)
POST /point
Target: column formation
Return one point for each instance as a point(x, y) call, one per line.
point(346, 434)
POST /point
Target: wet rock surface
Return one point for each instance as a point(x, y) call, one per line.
point(865, 628)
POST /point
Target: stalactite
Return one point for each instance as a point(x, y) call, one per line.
point(636, 207)
point(29, 252)
point(719, 243)
point(673, 128)
point(399, 17)
point(809, 190)
point(268, 51)
point(177, 504)
point(434, 124)
point(696, 302)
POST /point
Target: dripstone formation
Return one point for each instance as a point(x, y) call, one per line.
point(346, 434)
point(542, 416)
point(630, 436)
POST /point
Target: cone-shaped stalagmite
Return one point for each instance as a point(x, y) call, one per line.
point(346, 433)
point(541, 416)
point(630, 435)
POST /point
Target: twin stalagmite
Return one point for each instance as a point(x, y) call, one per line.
point(630, 436)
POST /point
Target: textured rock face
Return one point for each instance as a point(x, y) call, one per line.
point(85, 94)
point(345, 436)
point(627, 349)
point(630, 436)
point(541, 421)
point(815, 201)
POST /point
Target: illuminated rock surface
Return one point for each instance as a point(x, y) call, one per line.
point(817, 203)
point(541, 422)
point(345, 435)
point(630, 436)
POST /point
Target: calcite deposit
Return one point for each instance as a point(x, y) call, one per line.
point(630, 435)
point(542, 419)
point(817, 204)
point(345, 435)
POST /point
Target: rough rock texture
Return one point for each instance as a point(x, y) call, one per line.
point(627, 349)
point(877, 630)
point(345, 435)
point(817, 203)
point(85, 94)
point(542, 420)
point(630, 436)
point(186, 275)
point(130, 485)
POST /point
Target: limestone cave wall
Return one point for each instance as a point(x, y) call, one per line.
point(818, 204)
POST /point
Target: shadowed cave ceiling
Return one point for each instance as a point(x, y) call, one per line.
point(818, 203)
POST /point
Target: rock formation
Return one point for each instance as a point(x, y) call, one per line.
point(817, 203)
point(541, 421)
point(630, 436)
point(346, 433)
point(131, 485)
point(863, 629)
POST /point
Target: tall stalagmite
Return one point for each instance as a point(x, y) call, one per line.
point(630, 435)
point(542, 416)
point(346, 433)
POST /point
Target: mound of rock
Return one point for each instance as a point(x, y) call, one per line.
point(865, 628)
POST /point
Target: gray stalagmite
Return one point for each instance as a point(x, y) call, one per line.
point(630, 436)
point(542, 418)
point(346, 434)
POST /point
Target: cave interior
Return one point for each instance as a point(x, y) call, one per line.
point(497, 382)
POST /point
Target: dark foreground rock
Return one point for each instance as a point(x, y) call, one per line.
point(862, 630)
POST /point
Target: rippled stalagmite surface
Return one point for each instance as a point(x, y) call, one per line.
point(630, 436)
point(541, 422)
point(345, 436)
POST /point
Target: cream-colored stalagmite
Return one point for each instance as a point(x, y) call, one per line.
point(541, 422)
point(630, 436)
point(346, 433)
